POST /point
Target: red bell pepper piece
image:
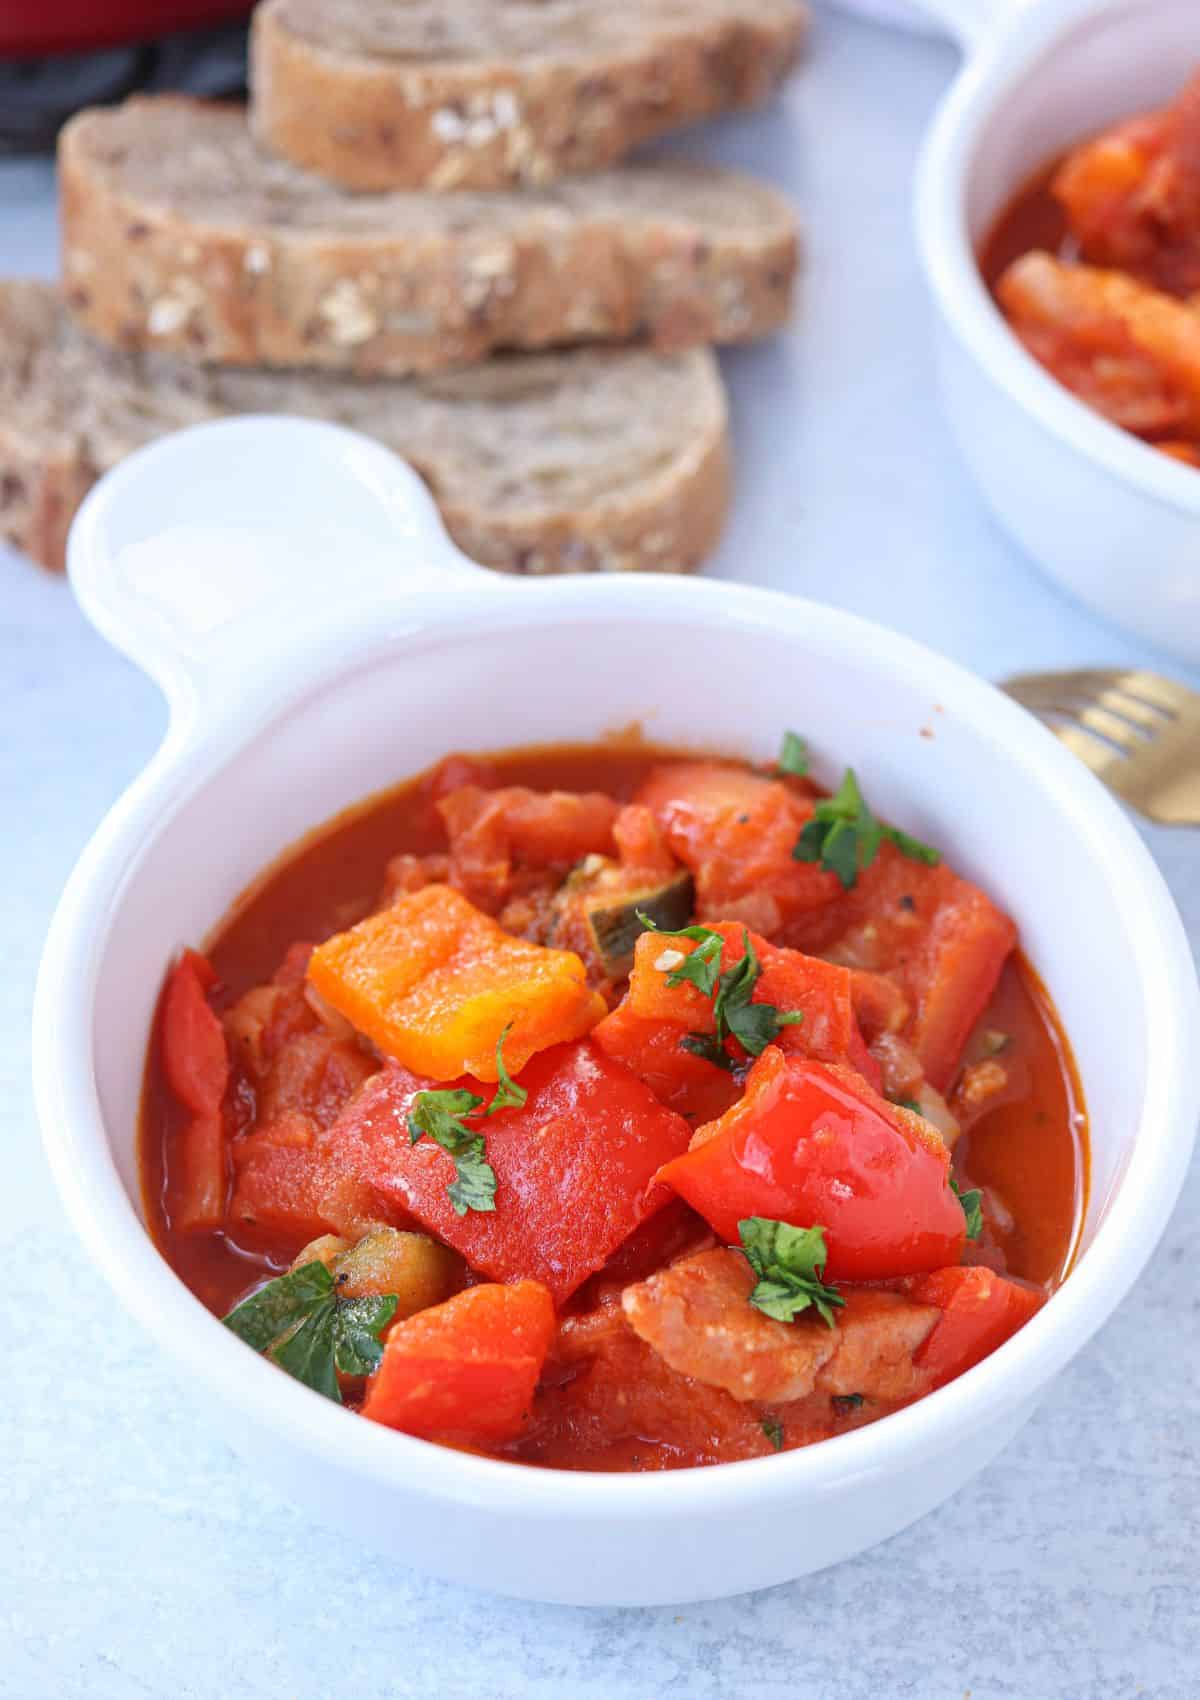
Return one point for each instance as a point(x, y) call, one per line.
point(654, 1051)
point(466, 1368)
point(813, 1145)
point(195, 1060)
point(573, 1164)
point(196, 1064)
point(980, 1310)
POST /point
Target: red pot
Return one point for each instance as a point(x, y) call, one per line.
point(76, 26)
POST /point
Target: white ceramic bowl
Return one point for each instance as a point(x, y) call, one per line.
point(1115, 522)
point(324, 640)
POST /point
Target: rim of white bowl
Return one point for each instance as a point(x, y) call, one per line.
point(952, 270)
point(115, 1236)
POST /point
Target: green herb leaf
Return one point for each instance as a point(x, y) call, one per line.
point(509, 1096)
point(972, 1203)
point(844, 836)
point(358, 1324)
point(439, 1114)
point(757, 1025)
point(308, 1354)
point(790, 1264)
point(705, 1046)
point(301, 1324)
point(843, 1403)
point(753, 1025)
point(280, 1306)
point(773, 1432)
point(912, 847)
point(793, 755)
point(474, 1188)
point(908, 1104)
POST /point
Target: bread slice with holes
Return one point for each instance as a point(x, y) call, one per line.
point(586, 461)
point(493, 94)
point(179, 233)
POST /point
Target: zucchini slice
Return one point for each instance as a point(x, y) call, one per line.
point(613, 923)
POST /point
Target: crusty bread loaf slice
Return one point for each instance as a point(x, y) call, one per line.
point(179, 233)
point(490, 94)
point(591, 460)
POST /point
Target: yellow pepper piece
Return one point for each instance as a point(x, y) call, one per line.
point(433, 982)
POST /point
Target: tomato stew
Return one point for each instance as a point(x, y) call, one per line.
point(1096, 266)
point(613, 1108)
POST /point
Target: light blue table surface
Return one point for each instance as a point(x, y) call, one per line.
point(136, 1556)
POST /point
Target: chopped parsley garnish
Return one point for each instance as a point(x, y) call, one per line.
point(509, 1096)
point(908, 1104)
point(753, 1025)
point(844, 836)
point(793, 755)
point(705, 1046)
point(773, 1432)
point(790, 1264)
point(442, 1115)
point(736, 1016)
point(972, 1209)
point(844, 1403)
point(301, 1324)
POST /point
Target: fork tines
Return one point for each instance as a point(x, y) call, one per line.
point(1137, 731)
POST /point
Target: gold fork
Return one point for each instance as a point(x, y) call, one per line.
point(1138, 732)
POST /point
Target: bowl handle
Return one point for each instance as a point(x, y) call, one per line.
point(210, 556)
point(970, 21)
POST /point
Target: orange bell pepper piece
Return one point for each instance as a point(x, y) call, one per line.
point(434, 983)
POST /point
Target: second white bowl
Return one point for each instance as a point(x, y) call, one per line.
point(1114, 521)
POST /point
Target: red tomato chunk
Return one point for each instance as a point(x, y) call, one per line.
point(736, 832)
point(943, 939)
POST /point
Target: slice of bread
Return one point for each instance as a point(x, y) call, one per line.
point(588, 461)
point(491, 94)
point(180, 234)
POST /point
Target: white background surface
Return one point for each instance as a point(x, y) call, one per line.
point(135, 1556)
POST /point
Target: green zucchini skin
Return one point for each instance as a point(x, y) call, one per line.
point(615, 927)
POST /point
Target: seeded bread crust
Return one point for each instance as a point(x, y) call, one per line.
point(493, 94)
point(586, 461)
point(180, 234)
